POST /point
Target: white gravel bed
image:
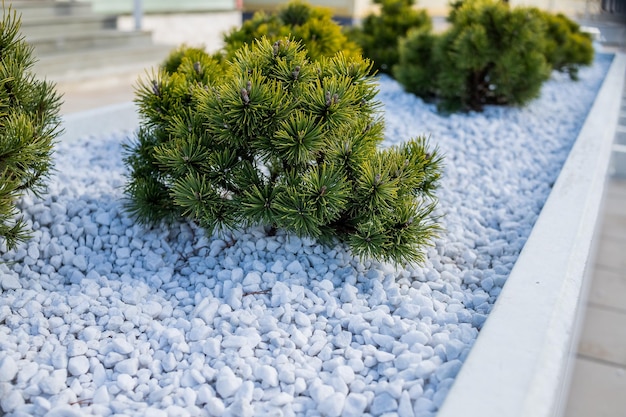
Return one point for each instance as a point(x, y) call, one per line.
point(100, 316)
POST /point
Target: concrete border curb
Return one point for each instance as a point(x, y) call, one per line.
point(521, 363)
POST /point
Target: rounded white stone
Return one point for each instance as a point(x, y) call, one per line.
point(78, 365)
point(126, 382)
point(76, 348)
point(227, 382)
point(8, 368)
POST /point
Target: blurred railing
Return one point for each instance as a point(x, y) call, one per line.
point(616, 7)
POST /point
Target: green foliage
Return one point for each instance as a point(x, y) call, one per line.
point(418, 67)
point(567, 47)
point(189, 55)
point(379, 34)
point(285, 142)
point(491, 54)
point(28, 125)
point(313, 26)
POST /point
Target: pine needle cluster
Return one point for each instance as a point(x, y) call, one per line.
point(29, 123)
point(279, 140)
point(313, 26)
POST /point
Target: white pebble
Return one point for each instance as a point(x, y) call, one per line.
point(211, 348)
point(52, 384)
point(424, 369)
point(64, 410)
point(78, 365)
point(448, 369)
point(11, 401)
point(127, 366)
point(101, 395)
point(10, 282)
point(152, 308)
point(346, 373)
point(33, 251)
point(80, 262)
point(204, 394)
point(227, 382)
point(294, 267)
point(383, 403)
point(321, 392)
point(123, 253)
point(355, 405)
point(8, 369)
point(215, 407)
point(267, 375)
point(277, 267)
point(90, 333)
point(332, 406)
point(76, 348)
point(200, 332)
point(253, 278)
point(103, 218)
point(125, 382)
point(153, 262)
point(405, 408)
point(293, 244)
point(121, 345)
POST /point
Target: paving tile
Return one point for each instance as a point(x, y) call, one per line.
point(597, 390)
point(613, 225)
point(615, 187)
point(604, 335)
point(612, 252)
point(614, 201)
point(608, 289)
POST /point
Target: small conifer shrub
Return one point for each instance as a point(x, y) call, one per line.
point(311, 25)
point(491, 54)
point(567, 47)
point(418, 66)
point(378, 34)
point(28, 125)
point(285, 142)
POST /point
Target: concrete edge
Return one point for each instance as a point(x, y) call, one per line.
point(520, 364)
point(99, 121)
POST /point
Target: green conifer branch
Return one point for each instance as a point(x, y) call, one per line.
point(283, 142)
point(29, 123)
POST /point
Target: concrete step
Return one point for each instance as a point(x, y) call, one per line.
point(64, 25)
point(47, 9)
point(89, 63)
point(50, 45)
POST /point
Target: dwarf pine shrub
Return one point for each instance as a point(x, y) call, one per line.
point(491, 54)
point(418, 66)
point(311, 25)
point(285, 142)
point(28, 125)
point(567, 48)
point(378, 34)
